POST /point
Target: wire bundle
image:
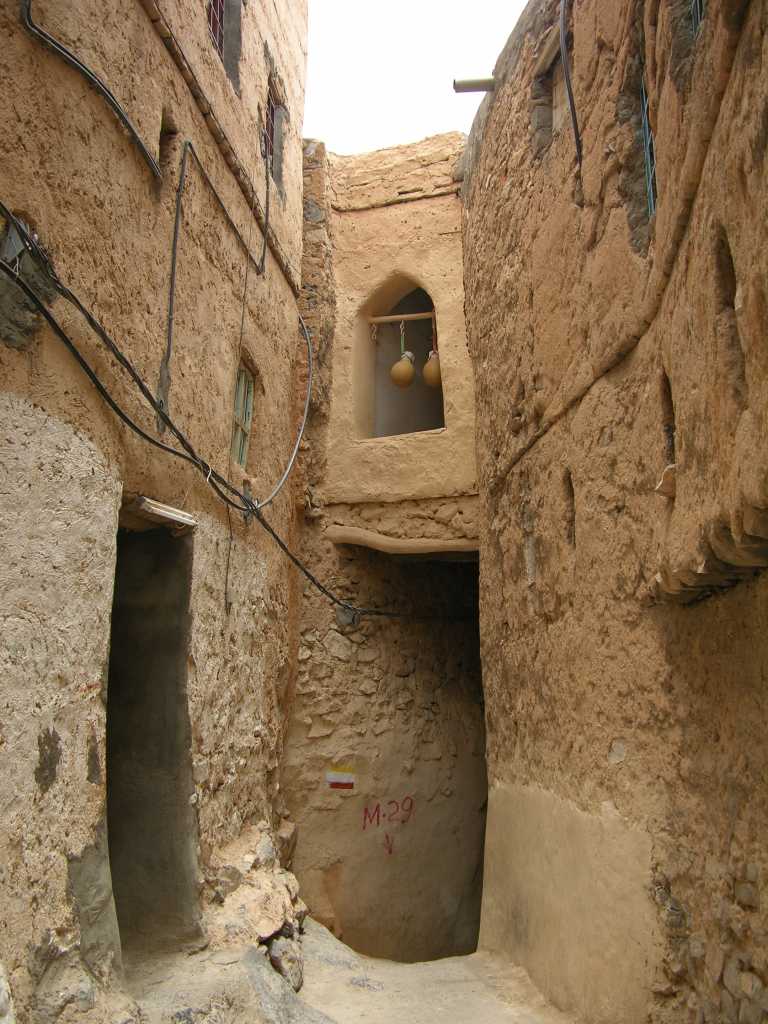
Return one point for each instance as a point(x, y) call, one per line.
point(226, 491)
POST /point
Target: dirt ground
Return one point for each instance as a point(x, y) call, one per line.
point(353, 989)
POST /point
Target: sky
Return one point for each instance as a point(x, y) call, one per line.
point(381, 72)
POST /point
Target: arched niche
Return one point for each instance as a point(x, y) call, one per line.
point(381, 409)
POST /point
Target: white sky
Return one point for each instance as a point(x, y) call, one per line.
point(381, 71)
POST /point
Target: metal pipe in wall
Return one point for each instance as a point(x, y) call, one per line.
point(399, 317)
point(474, 84)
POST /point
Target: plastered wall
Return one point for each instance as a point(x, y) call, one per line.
point(394, 219)
point(67, 463)
point(627, 818)
point(394, 706)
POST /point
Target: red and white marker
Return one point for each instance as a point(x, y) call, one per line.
point(340, 777)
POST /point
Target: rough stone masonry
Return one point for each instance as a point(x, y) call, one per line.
point(620, 373)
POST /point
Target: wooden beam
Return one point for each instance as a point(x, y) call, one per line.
point(398, 545)
point(402, 316)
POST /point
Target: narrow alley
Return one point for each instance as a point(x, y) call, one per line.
point(383, 531)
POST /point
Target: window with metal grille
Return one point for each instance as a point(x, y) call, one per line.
point(215, 11)
point(241, 428)
point(649, 153)
point(271, 118)
point(698, 7)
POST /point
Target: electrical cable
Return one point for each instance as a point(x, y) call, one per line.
point(101, 333)
point(41, 308)
point(267, 175)
point(567, 77)
point(249, 507)
point(348, 606)
point(302, 426)
point(66, 55)
point(263, 146)
point(188, 147)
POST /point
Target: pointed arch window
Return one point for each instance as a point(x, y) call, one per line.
point(419, 406)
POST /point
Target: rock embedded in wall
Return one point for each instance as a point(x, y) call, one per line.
point(285, 955)
point(7, 1016)
point(287, 836)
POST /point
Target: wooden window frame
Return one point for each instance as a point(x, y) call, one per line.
point(245, 385)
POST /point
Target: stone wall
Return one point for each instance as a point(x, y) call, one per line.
point(391, 705)
point(394, 864)
point(627, 814)
point(68, 464)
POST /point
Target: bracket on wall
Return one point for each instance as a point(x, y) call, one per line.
point(474, 84)
point(398, 317)
point(141, 513)
point(19, 319)
point(414, 546)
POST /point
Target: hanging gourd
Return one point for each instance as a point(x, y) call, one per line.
point(403, 371)
point(431, 372)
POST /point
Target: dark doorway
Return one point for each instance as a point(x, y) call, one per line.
point(151, 822)
point(393, 865)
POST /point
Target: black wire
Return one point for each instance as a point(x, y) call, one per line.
point(259, 264)
point(214, 480)
point(567, 77)
point(211, 474)
point(9, 272)
point(66, 55)
point(347, 605)
point(100, 387)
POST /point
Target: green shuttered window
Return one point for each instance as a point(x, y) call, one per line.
point(241, 428)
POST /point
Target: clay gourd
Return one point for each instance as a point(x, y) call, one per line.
point(403, 372)
point(431, 372)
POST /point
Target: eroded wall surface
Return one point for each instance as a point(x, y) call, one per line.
point(68, 464)
point(391, 707)
point(623, 628)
